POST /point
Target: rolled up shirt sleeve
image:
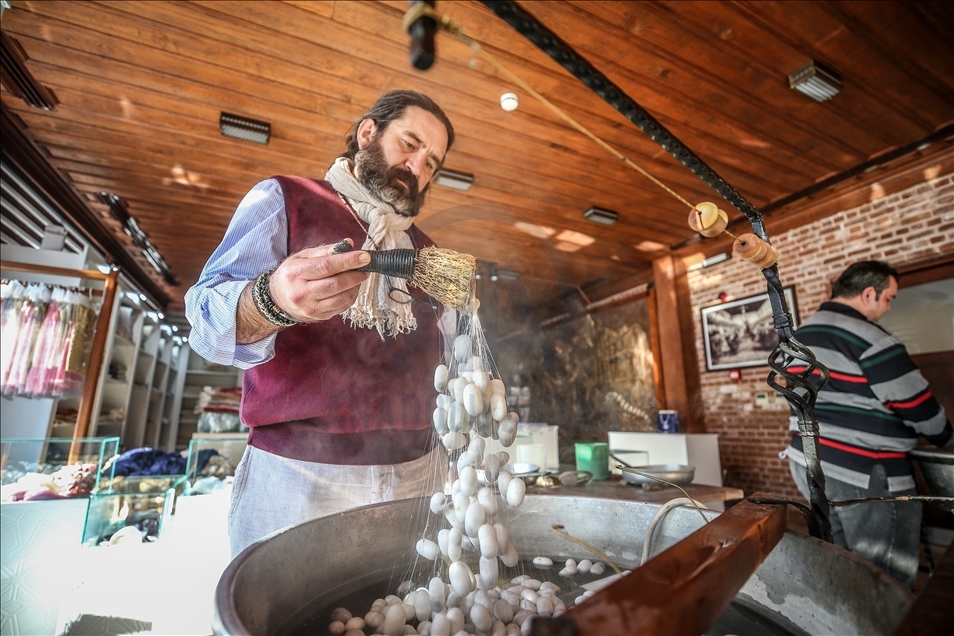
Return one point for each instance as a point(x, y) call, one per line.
point(256, 241)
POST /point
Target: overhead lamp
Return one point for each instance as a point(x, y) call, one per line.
point(119, 209)
point(244, 128)
point(815, 81)
point(509, 102)
point(454, 180)
point(603, 217)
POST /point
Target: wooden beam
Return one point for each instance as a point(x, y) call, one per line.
point(680, 373)
point(686, 588)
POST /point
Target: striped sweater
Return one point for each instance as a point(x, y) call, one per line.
point(875, 404)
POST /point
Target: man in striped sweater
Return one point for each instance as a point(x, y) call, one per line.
point(870, 414)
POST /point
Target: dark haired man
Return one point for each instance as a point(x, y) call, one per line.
point(870, 414)
point(339, 415)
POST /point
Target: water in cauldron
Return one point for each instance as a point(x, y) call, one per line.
point(736, 619)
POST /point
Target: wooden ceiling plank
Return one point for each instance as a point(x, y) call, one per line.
point(763, 182)
point(690, 83)
point(492, 165)
point(486, 180)
point(688, 112)
point(829, 39)
point(730, 71)
point(651, 229)
point(105, 46)
point(121, 170)
point(897, 30)
point(241, 9)
point(711, 31)
point(679, 170)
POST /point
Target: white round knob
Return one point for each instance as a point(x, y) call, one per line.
point(509, 101)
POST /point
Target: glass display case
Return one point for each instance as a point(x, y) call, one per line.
point(212, 460)
point(135, 508)
point(63, 467)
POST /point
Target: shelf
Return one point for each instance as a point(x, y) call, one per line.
point(235, 435)
point(122, 341)
point(230, 374)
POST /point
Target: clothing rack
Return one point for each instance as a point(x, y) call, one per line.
point(111, 282)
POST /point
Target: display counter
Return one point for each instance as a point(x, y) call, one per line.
point(616, 488)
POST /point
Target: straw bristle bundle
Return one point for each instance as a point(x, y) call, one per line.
point(445, 275)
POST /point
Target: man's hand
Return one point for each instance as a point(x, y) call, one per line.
point(310, 286)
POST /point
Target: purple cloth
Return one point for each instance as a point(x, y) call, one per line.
point(148, 461)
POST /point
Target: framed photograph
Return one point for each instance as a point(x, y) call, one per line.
point(741, 333)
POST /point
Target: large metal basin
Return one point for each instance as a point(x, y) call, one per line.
point(806, 586)
point(937, 467)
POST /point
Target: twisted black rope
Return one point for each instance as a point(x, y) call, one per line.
point(562, 53)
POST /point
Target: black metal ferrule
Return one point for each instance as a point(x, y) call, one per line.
point(398, 263)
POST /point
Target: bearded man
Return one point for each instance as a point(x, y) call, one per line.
point(337, 387)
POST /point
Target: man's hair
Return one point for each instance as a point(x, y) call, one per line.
point(860, 276)
point(390, 107)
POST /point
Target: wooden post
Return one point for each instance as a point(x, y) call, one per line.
point(98, 352)
point(684, 589)
point(674, 322)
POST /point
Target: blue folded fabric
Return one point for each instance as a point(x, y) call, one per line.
point(148, 461)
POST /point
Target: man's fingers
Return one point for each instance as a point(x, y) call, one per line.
point(320, 262)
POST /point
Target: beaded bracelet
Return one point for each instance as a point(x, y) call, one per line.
point(266, 306)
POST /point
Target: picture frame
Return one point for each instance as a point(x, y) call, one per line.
point(741, 333)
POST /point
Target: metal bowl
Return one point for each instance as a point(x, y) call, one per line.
point(516, 469)
point(675, 473)
point(937, 466)
point(805, 586)
point(520, 469)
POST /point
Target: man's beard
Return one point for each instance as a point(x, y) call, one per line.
point(383, 181)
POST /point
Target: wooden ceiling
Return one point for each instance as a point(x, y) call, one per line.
point(141, 86)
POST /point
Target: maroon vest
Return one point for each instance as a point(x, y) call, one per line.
point(333, 393)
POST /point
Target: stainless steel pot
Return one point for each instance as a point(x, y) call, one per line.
point(805, 586)
point(673, 473)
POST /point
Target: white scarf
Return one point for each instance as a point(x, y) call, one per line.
point(386, 231)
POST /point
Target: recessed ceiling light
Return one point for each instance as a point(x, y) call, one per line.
point(244, 128)
point(816, 82)
point(603, 217)
point(650, 246)
point(509, 101)
point(454, 180)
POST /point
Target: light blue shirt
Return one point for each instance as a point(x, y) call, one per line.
point(254, 242)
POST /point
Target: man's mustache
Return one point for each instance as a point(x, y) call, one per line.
point(397, 173)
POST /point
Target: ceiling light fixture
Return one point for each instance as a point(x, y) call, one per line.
point(454, 180)
point(815, 81)
point(509, 102)
point(119, 209)
point(244, 128)
point(603, 217)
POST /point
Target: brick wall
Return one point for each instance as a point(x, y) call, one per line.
point(905, 227)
